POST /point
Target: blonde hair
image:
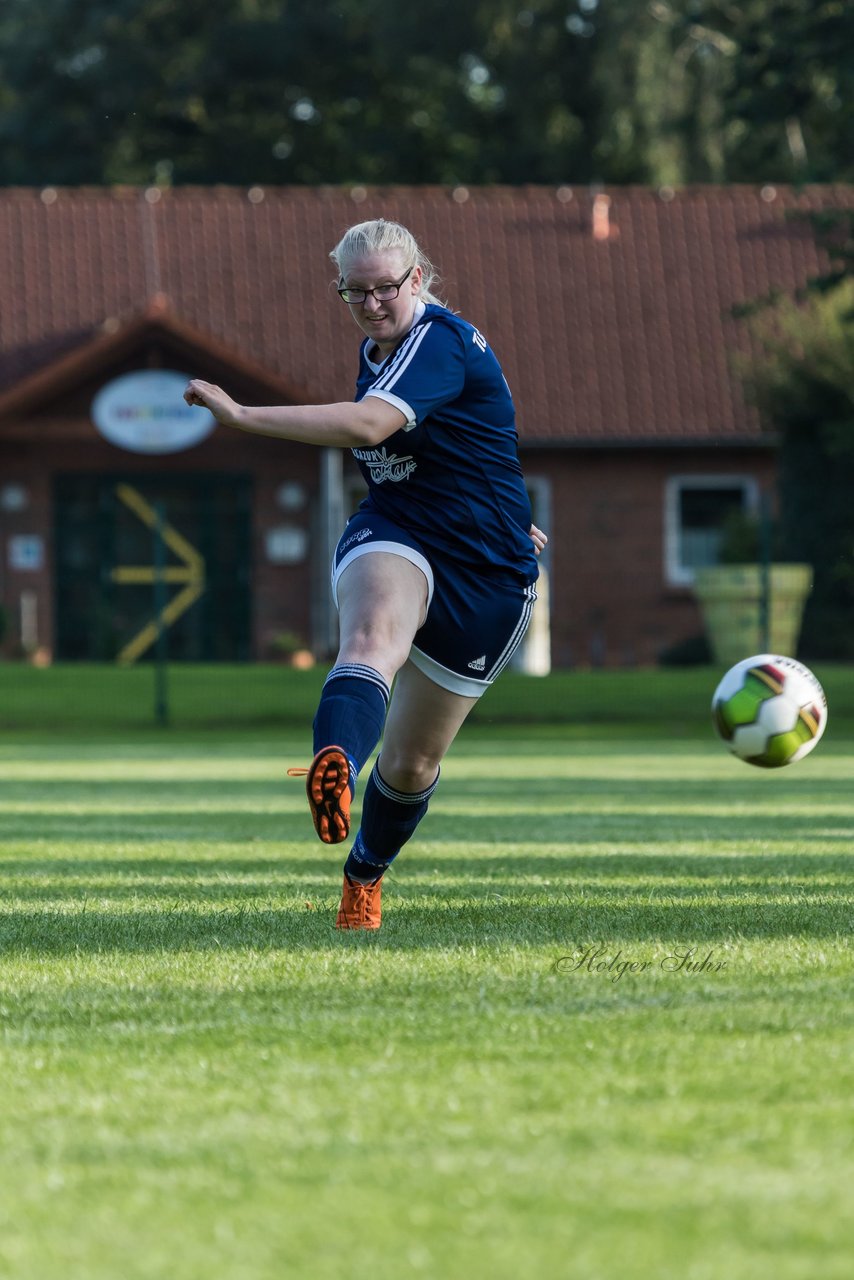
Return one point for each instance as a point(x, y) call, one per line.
point(380, 236)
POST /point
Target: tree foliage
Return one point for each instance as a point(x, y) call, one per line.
point(803, 382)
point(346, 91)
point(760, 89)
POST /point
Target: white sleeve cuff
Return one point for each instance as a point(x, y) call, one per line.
point(404, 408)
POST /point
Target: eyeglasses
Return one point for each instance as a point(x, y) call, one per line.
point(382, 293)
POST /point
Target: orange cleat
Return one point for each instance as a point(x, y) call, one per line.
point(327, 786)
point(361, 905)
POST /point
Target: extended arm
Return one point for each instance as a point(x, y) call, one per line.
point(344, 425)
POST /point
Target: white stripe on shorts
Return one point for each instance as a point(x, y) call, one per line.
point(517, 636)
point(394, 549)
point(445, 678)
point(468, 686)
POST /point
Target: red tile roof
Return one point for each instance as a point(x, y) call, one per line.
point(627, 338)
point(116, 340)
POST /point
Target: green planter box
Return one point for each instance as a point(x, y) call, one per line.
point(730, 598)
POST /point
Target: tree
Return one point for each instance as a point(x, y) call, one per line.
point(760, 90)
point(317, 91)
point(254, 90)
point(803, 383)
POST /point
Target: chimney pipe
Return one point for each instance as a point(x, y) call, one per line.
point(601, 216)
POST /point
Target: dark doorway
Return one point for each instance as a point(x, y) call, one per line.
point(106, 556)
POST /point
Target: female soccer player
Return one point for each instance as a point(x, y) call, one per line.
point(434, 576)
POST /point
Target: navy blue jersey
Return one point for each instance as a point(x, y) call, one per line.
point(451, 474)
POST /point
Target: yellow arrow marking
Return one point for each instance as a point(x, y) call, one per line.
point(132, 575)
point(192, 572)
point(133, 498)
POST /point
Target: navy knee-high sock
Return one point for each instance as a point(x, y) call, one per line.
point(351, 713)
point(389, 819)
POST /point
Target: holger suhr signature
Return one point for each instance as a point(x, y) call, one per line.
point(688, 961)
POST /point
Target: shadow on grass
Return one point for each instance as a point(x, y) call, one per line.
point(570, 811)
point(745, 785)
point(222, 879)
point(641, 825)
point(225, 904)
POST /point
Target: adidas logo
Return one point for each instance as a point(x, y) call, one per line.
point(479, 664)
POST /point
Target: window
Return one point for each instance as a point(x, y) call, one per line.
point(696, 509)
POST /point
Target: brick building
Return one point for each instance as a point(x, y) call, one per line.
point(610, 311)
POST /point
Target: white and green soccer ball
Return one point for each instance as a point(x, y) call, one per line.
point(769, 710)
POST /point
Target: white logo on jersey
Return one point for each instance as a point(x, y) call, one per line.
point(356, 537)
point(479, 664)
point(382, 467)
point(479, 340)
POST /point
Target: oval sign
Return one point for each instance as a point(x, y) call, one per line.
point(145, 412)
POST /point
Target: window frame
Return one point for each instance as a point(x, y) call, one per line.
point(677, 574)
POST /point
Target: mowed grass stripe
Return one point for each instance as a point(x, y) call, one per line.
point(202, 1077)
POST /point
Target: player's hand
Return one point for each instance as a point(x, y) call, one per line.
point(209, 396)
point(538, 538)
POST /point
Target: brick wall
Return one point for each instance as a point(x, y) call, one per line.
point(610, 602)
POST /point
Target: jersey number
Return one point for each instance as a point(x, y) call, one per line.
point(479, 340)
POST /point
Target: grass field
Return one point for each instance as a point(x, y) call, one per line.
point(605, 1032)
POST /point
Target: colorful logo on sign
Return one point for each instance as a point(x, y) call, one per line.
point(145, 412)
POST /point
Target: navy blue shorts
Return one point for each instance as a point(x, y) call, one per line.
point(474, 623)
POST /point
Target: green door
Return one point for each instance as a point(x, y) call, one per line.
point(106, 540)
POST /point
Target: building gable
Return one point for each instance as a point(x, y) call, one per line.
point(154, 338)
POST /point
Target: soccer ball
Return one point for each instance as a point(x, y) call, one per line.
point(769, 710)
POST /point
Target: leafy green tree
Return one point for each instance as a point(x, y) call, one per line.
point(803, 383)
point(251, 90)
point(315, 91)
point(761, 90)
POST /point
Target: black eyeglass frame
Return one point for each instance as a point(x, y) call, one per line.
point(373, 293)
